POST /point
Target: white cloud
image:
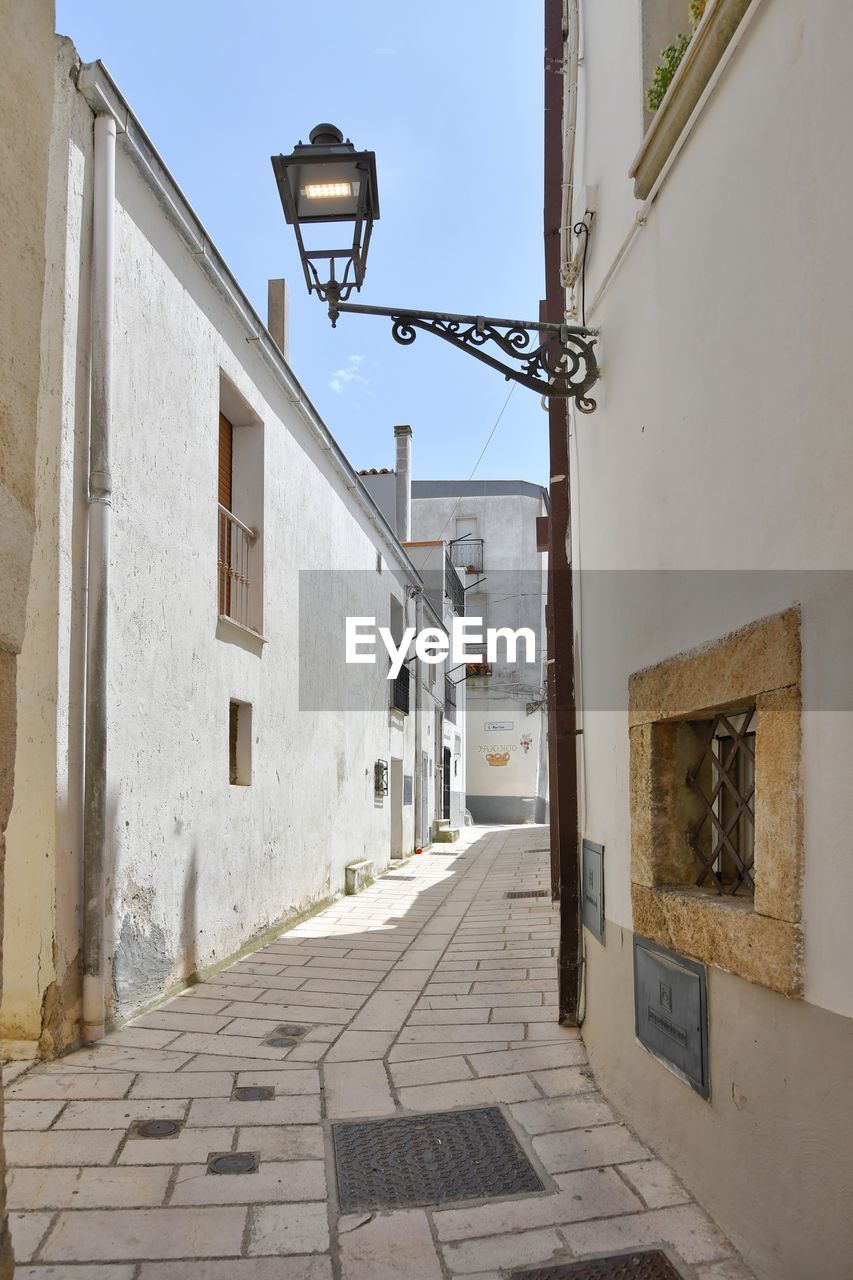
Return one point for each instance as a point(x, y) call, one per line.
point(351, 372)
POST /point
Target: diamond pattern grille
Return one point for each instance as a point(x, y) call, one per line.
point(723, 781)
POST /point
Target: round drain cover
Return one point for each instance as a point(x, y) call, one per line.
point(254, 1093)
point(234, 1162)
point(289, 1029)
point(158, 1128)
point(280, 1042)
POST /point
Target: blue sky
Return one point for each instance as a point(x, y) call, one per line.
point(449, 96)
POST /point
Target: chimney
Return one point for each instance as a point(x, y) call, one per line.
point(403, 469)
point(278, 315)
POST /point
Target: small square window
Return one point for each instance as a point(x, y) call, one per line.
point(240, 744)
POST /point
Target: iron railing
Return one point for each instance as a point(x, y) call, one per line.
point(400, 691)
point(723, 781)
point(467, 554)
point(453, 588)
point(235, 560)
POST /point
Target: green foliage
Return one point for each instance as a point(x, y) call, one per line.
point(670, 58)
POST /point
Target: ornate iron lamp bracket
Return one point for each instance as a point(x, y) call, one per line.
point(556, 360)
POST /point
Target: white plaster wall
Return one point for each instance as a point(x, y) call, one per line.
point(723, 439)
point(197, 867)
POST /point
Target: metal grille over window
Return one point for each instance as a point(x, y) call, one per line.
point(400, 691)
point(723, 782)
point(450, 698)
point(467, 554)
point(236, 542)
point(454, 589)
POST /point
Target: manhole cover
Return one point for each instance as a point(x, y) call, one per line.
point(157, 1128)
point(254, 1093)
point(285, 1036)
point(233, 1162)
point(650, 1264)
point(530, 893)
point(429, 1159)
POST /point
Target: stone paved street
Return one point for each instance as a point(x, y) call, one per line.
point(428, 992)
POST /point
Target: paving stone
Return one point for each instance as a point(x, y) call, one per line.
point(421, 1051)
point(357, 1089)
point(553, 1115)
point(339, 986)
point(231, 1062)
point(529, 1058)
point(313, 996)
point(306, 1081)
point(96, 1235)
point(117, 1272)
point(179, 1020)
point(523, 1248)
point(119, 1115)
point(198, 1002)
point(685, 1228)
point(227, 1046)
point(286, 1181)
point(215, 1111)
point(447, 1017)
point(132, 1037)
point(591, 1193)
point(405, 980)
point(430, 1071)
point(87, 1188)
point(728, 1269)
point(183, 1084)
point(68, 1148)
point(108, 1057)
point(387, 1247)
point(588, 1148)
point(228, 988)
point(72, 1085)
point(467, 1093)
point(27, 1230)
point(384, 1011)
point(305, 1268)
point(358, 1046)
point(192, 1146)
point(30, 1115)
point(266, 1010)
point(561, 1080)
point(657, 1184)
point(285, 1228)
point(282, 1142)
point(472, 1032)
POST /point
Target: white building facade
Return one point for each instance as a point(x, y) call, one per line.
point(246, 763)
point(711, 533)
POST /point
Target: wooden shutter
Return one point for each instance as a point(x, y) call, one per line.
point(226, 453)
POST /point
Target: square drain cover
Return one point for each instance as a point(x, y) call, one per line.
point(530, 893)
point(649, 1264)
point(429, 1159)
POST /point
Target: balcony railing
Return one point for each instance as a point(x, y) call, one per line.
point(400, 691)
point(236, 552)
point(453, 588)
point(467, 554)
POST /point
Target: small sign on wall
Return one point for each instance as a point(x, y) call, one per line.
point(407, 788)
point(671, 1012)
point(498, 726)
point(592, 889)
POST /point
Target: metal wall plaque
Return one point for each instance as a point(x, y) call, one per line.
point(408, 788)
point(671, 1011)
point(592, 888)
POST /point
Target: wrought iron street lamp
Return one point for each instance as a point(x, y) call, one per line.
point(327, 181)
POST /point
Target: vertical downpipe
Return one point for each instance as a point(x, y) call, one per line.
point(97, 614)
point(420, 834)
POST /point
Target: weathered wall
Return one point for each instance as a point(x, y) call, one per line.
point(722, 443)
point(196, 866)
point(26, 96)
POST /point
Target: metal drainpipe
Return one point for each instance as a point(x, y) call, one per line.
point(420, 834)
point(100, 500)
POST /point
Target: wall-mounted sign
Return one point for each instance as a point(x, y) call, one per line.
point(592, 890)
point(499, 726)
point(671, 1011)
point(407, 788)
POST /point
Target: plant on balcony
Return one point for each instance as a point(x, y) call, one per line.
point(670, 58)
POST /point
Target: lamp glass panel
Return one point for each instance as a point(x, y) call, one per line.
point(326, 190)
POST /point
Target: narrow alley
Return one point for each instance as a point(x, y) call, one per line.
point(431, 992)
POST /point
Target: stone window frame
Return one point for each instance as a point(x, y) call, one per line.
point(758, 938)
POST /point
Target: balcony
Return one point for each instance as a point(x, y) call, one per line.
point(400, 691)
point(479, 670)
point(236, 549)
point(453, 588)
point(467, 554)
